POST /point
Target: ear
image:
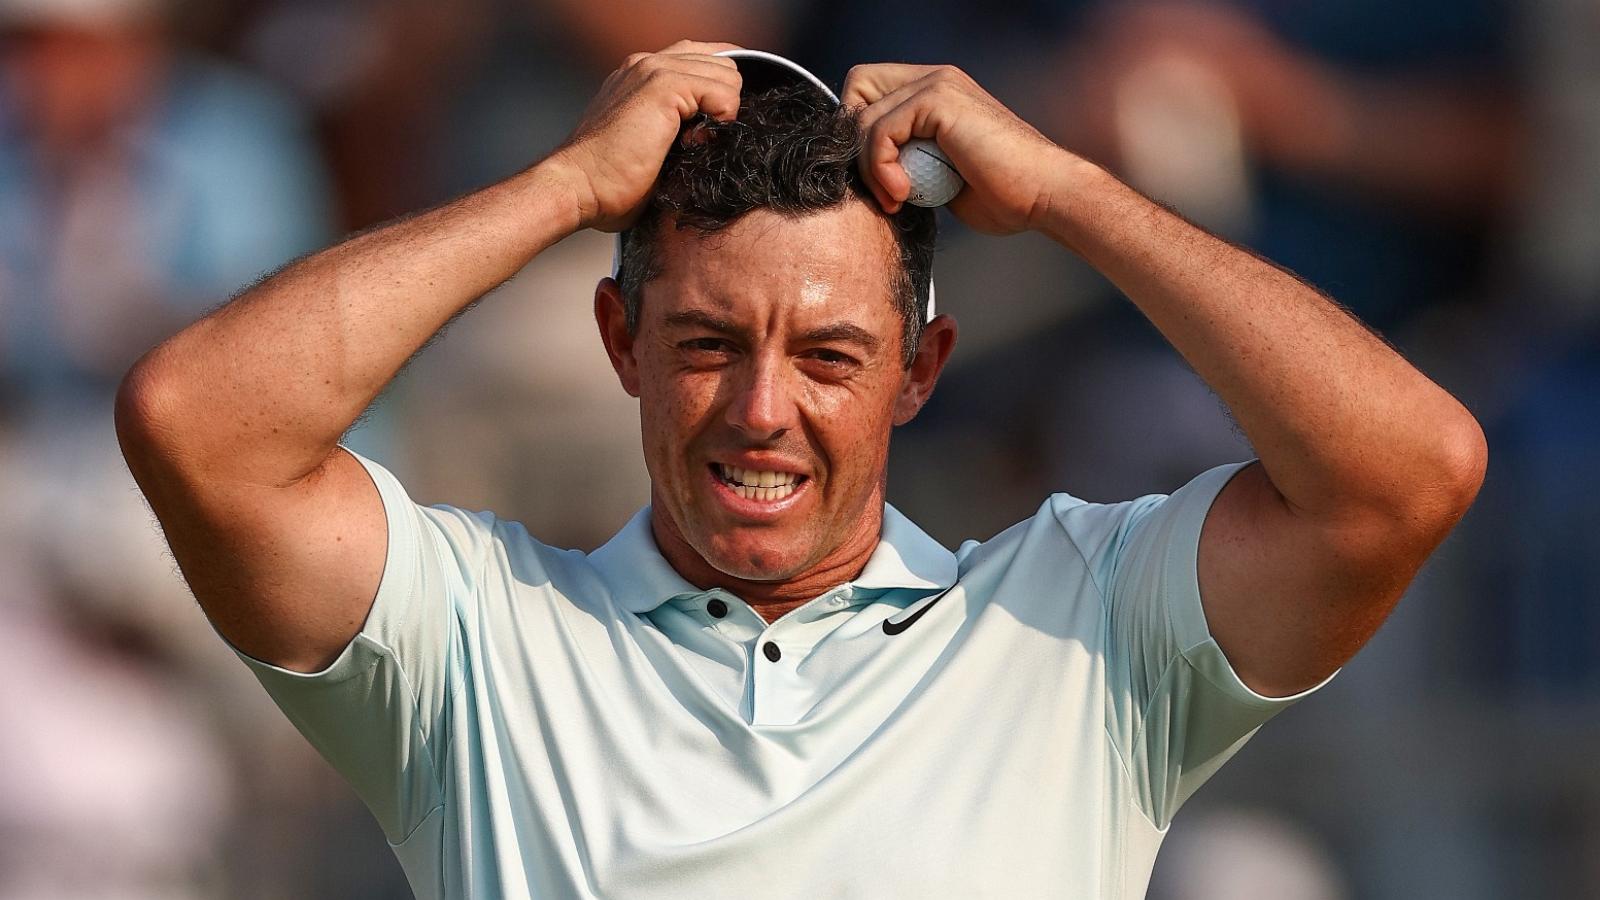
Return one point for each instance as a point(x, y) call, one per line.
point(611, 316)
point(938, 340)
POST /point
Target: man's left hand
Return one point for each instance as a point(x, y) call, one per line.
point(1009, 167)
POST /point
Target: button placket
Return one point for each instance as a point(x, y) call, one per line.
point(771, 670)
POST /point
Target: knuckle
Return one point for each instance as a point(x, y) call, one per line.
point(634, 59)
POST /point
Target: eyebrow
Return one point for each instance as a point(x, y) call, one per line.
point(698, 318)
point(843, 332)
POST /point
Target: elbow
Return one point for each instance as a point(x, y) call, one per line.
point(145, 412)
point(1463, 463)
point(1447, 481)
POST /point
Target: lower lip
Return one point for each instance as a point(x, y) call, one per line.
point(751, 508)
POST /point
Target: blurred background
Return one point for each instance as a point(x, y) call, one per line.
point(1435, 165)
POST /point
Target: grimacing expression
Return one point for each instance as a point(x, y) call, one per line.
point(772, 346)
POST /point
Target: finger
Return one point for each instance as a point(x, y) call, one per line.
point(880, 161)
point(867, 84)
point(715, 97)
point(718, 67)
point(877, 109)
point(889, 123)
point(713, 67)
point(698, 84)
point(721, 62)
point(705, 47)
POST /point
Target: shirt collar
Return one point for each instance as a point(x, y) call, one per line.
point(640, 578)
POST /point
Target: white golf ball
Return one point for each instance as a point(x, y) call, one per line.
point(934, 180)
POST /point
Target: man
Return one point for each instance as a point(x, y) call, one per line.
point(770, 680)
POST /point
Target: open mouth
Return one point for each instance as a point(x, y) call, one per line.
point(750, 484)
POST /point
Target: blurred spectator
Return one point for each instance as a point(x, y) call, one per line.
point(1393, 155)
point(113, 785)
point(380, 76)
point(1377, 151)
point(138, 186)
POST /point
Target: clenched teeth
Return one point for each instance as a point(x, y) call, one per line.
point(752, 484)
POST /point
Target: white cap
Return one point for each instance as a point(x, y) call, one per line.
point(784, 67)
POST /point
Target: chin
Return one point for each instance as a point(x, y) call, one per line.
point(751, 558)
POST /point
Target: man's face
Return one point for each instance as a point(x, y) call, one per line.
point(768, 371)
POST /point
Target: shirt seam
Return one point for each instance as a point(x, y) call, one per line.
point(1105, 693)
point(416, 726)
point(416, 828)
point(1138, 736)
point(427, 745)
point(1231, 691)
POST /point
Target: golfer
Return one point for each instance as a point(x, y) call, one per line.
point(771, 683)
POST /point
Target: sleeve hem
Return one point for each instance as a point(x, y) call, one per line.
point(1212, 664)
point(1187, 608)
point(349, 662)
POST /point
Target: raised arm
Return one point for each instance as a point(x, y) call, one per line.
point(1365, 463)
point(231, 426)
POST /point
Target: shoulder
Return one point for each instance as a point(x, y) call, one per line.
point(477, 544)
point(1068, 532)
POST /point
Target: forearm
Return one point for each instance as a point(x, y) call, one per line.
point(261, 390)
point(1340, 421)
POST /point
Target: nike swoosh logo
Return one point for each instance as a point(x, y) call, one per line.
point(897, 627)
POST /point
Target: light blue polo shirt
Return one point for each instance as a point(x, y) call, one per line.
point(1020, 718)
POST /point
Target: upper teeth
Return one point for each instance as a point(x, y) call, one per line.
point(753, 478)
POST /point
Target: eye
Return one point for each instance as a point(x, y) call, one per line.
point(833, 359)
point(705, 344)
point(706, 351)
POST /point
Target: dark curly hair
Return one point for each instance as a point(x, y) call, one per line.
point(791, 150)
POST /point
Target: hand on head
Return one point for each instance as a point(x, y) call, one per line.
point(615, 153)
point(1008, 165)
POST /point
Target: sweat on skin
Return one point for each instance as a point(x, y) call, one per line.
point(772, 346)
point(1146, 639)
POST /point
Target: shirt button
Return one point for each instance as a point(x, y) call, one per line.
point(717, 608)
point(771, 650)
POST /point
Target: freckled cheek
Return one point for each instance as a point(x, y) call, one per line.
point(674, 413)
point(853, 428)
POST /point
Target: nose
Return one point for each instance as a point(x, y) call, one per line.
point(763, 406)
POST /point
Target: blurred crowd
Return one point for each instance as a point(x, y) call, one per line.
point(1433, 165)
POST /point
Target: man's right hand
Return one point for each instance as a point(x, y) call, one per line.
point(231, 427)
point(613, 157)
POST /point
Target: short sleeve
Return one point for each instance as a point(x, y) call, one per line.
point(1176, 710)
point(379, 713)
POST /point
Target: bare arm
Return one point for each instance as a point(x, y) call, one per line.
point(231, 426)
point(1365, 463)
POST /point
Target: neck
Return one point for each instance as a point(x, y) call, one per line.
point(774, 598)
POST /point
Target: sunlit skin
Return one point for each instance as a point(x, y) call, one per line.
point(772, 345)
